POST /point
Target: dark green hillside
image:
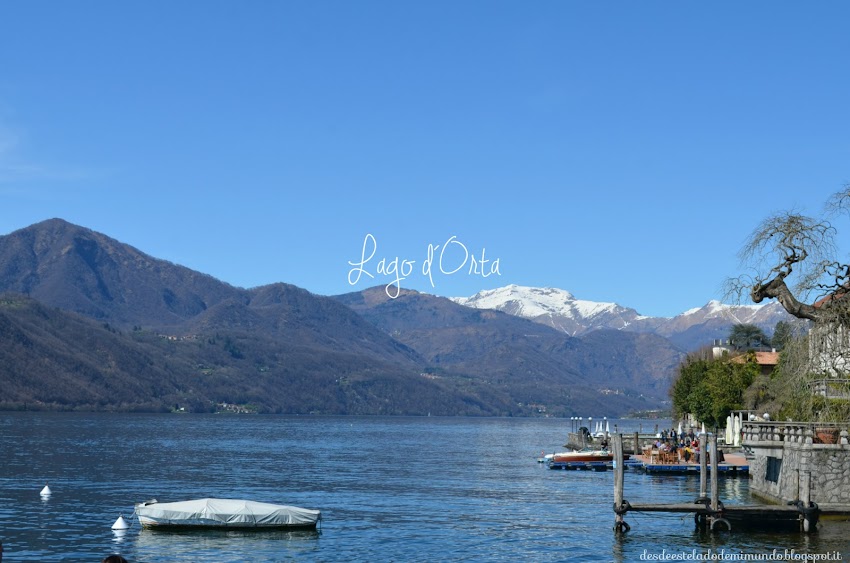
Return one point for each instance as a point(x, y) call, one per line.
point(50, 359)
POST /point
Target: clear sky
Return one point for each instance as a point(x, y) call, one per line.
point(619, 150)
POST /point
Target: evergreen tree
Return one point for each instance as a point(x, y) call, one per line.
point(711, 389)
point(781, 334)
point(747, 337)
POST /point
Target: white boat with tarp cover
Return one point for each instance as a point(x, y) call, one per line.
point(224, 513)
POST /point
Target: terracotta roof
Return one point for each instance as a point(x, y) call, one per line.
point(835, 295)
point(762, 358)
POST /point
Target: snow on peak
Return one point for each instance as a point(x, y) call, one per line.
point(561, 310)
point(533, 302)
point(735, 313)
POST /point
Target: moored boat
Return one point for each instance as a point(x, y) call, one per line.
point(586, 455)
point(225, 513)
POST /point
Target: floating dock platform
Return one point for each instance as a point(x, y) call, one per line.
point(580, 465)
point(641, 464)
point(734, 466)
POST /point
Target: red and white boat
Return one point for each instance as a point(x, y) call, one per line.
point(586, 455)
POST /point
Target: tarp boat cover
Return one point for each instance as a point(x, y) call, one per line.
point(225, 513)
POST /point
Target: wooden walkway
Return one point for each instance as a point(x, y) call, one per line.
point(776, 517)
point(710, 511)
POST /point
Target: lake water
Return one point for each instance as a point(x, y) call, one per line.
point(390, 489)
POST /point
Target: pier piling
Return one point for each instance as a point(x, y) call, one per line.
point(806, 499)
point(702, 472)
point(712, 458)
point(620, 525)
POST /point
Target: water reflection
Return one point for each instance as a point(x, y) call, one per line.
point(118, 536)
point(199, 545)
point(390, 489)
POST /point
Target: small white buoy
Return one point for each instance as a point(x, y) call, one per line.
point(120, 524)
point(45, 492)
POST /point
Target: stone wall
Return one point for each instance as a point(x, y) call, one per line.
point(783, 454)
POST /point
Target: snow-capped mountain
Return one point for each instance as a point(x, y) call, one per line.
point(765, 316)
point(554, 307)
point(560, 309)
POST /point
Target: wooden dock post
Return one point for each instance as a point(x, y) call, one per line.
point(702, 466)
point(620, 524)
point(713, 461)
point(806, 498)
point(637, 450)
point(716, 506)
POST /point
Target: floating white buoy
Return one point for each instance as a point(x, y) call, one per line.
point(45, 492)
point(120, 524)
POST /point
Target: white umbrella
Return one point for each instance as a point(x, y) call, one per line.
point(736, 430)
point(703, 427)
point(729, 429)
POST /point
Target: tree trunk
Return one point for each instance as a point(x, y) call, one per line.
point(777, 289)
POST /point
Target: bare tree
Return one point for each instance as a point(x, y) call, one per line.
point(791, 257)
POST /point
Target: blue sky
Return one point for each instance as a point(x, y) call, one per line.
point(620, 150)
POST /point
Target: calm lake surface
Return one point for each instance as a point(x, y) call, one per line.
point(390, 489)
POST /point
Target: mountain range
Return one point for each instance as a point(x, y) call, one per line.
point(559, 309)
point(87, 322)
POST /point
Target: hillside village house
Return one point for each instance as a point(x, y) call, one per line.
point(787, 456)
point(767, 361)
point(829, 353)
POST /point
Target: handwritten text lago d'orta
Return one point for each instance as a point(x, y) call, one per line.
point(448, 258)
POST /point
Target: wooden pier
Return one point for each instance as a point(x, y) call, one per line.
point(708, 511)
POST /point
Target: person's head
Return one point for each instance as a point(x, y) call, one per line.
point(115, 558)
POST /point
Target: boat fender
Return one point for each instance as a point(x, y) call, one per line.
point(723, 521)
point(623, 508)
point(805, 510)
